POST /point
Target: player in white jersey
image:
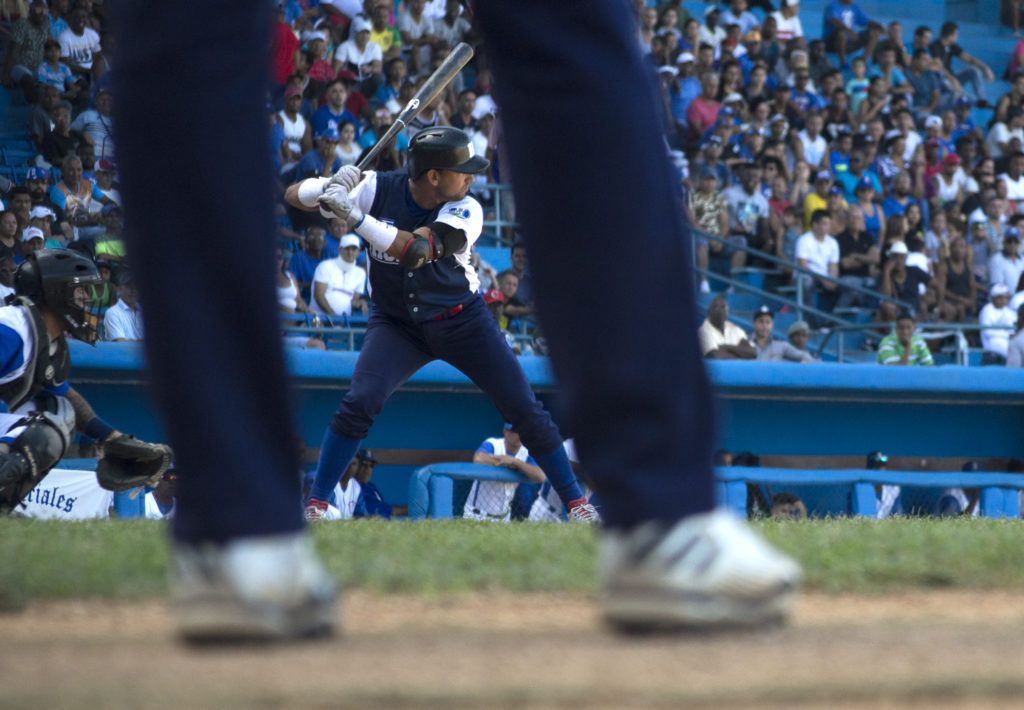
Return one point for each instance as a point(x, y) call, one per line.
point(492, 500)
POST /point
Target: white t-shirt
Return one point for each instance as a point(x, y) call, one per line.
point(122, 323)
point(947, 192)
point(79, 48)
point(744, 209)
point(343, 281)
point(996, 340)
point(1001, 133)
point(787, 27)
point(453, 34)
point(711, 338)
point(1014, 188)
point(814, 150)
point(414, 29)
point(819, 255)
point(348, 52)
point(1005, 271)
point(913, 140)
point(492, 500)
point(98, 127)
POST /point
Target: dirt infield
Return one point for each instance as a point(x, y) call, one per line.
point(921, 649)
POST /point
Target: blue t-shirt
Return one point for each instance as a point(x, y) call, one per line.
point(312, 165)
point(57, 78)
point(369, 137)
point(324, 117)
point(850, 16)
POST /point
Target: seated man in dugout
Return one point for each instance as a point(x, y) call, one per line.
point(720, 339)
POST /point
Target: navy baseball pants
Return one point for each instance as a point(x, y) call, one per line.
point(472, 342)
point(596, 199)
point(194, 154)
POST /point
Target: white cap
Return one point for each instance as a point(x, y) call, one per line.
point(667, 69)
point(32, 233)
point(898, 248)
point(999, 290)
point(351, 240)
point(712, 8)
point(732, 97)
point(41, 212)
point(685, 57)
point(933, 120)
point(361, 24)
point(790, 3)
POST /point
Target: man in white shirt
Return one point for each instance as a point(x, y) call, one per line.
point(818, 251)
point(814, 145)
point(1015, 349)
point(996, 341)
point(491, 501)
point(711, 31)
point(721, 340)
point(1007, 266)
point(123, 320)
point(738, 14)
point(359, 53)
point(787, 21)
point(79, 42)
point(1014, 179)
point(338, 283)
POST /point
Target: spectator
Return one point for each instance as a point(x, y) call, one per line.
point(95, 125)
point(888, 502)
point(787, 22)
point(703, 110)
point(710, 154)
point(32, 239)
point(995, 341)
point(7, 269)
point(738, 14)
point(338, 284)
point(373, 503)
point(289, 298)
point(334, 110)
point(810, 146)
point(492, 500)
point(123, 320)
point(361, 56)
point(928, 95)
point(417, 31)
point(798, 334)
point(452, 28)
point(383, 33)
point(907, 284)
point(1001, 135)
point(60, 142)
point(521, 302)
point(55, 73)
point(25, 48)
point(305, 262)
point(109, 243)
point(768, 348)
point(710, 213)
point(322, 160)
point(818, 251)
point(977, 73)
point(79, 42)
point(10, 232)
point(380, 120)
point(710, 32)
point(787, 506)
point(957, 284)
point(298, 137)
point(818, 199)
point(41, 120)
point(749, 211)
point(80, 199)
point(841, 19)
point(719, 338)
point(1014, 180)
point(495, 300)
point(858, 259)
point(1007, 266)
point(346, 501)
point(1015, 346)
point(902, 346)
point(950, 184)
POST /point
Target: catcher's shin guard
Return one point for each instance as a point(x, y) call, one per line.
point(43, 440)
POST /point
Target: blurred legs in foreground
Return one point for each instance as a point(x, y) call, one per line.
point(593, 188)
point(194, 156)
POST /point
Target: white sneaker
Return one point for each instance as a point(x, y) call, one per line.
point(707, 571)
point(252, 589)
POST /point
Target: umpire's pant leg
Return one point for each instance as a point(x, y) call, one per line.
point(198, 202)
point(626, 357)
point(391, 354)
point(474, 344)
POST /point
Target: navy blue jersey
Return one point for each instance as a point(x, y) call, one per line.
point(436, 288)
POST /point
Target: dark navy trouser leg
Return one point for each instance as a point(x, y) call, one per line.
point(596, 200)
point(192, 148)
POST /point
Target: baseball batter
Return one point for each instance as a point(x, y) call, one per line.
point(419, 224)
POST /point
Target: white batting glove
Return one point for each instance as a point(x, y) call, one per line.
point(336, 199)
point(348, 176)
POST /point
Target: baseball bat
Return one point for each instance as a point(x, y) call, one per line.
point(430, 90)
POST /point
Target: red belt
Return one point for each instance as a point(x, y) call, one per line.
point(450, 313)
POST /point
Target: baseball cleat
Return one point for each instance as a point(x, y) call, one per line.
point(251, 590)
point(580, 511)
point(707, 571)
point(316, 509)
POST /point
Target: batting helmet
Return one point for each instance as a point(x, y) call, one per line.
point(443, 148)
point(63, 281)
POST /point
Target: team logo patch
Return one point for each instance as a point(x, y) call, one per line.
point(461, 212)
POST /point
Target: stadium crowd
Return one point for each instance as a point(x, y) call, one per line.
point(854, 154)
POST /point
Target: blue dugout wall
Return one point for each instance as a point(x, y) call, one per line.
point(775, 409)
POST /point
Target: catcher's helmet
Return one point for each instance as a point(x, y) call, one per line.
point(63, 281)
point(443, 148)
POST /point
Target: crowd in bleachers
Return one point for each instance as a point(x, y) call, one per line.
point(858, 154)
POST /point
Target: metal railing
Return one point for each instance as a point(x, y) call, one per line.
point(502, 224)
point(939, 330)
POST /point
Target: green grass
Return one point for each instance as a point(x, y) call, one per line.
point(127, 559)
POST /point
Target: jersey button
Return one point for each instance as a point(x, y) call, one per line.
point(412, 295)
point(415, 309)
point(410, 274)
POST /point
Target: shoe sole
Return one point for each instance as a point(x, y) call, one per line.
point(643, 611)
point(211, 622)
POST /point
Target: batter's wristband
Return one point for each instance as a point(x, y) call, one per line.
point(98, 429)
point(379, 235)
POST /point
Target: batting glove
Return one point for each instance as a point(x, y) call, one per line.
point(336, 199)
point(348, 176)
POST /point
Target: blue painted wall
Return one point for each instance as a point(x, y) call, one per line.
point(767, 408)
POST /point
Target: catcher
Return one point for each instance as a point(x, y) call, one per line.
point(39, 410)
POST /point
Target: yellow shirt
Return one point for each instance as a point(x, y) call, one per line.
point(387, 38)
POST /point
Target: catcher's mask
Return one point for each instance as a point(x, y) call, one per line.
point(65, 282)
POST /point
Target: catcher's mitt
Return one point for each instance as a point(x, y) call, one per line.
point(129, 463)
